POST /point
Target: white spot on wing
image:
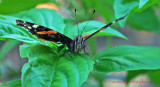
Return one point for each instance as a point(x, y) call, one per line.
point(29, 27)
point(35, 26)
point(113, 22)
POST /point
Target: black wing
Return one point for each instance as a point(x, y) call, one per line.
point(108, 25)
point(44, 33)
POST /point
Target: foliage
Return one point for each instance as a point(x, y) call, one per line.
point(47, 66)
point(116, 60)
point(10, 6)
point(140, 18)
point(140, 12)
point(151, 22)
point(153, 75)
point(43, 55)
point(14, 83)
point(61, 71)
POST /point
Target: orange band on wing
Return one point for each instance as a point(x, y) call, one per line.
point(47, 32)
point(87, 35)
point(101, 29)
point(41, 38)
point(94, 32)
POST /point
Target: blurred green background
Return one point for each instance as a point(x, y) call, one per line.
point(141, 27)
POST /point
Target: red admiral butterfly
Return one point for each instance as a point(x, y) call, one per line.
point(75, 45)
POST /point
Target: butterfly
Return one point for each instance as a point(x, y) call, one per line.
point(74, 45)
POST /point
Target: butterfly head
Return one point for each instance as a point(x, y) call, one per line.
point(77, 44)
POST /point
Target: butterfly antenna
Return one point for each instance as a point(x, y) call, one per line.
point(76, 19)
point(106, 26)
point(88, 21)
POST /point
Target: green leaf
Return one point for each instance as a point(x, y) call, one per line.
point(13, 83)
point(13, 6)
point(154, 76)
point(146, 20)
point(142, 3)
point(92, 27)
point(44, 17)
point(123, 7)
point(7, 47)
point(125, 58)
point(103, 7)
point(9, 30)
point(45, 68)
point(2, 17)
point(134, 73)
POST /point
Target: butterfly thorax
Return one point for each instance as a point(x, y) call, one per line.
point(77, 44)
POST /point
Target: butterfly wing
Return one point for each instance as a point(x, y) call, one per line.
point(44, 33)
point(108, 25)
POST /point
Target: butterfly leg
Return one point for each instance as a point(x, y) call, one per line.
point(64, 51)
point(69, 53)
point(91, 54)
point(30, 64)
point(85, 49)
